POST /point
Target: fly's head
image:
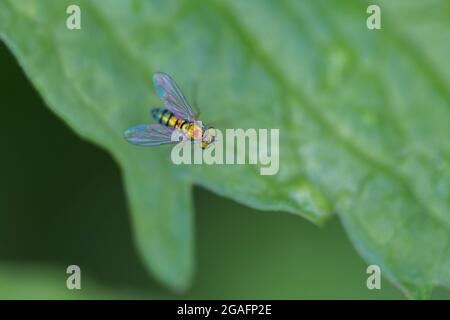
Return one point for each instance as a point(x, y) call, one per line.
point(209, 137)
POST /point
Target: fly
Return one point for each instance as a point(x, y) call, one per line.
point(177, 115)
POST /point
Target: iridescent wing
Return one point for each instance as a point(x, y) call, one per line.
point(172, 97)
point(149, 135)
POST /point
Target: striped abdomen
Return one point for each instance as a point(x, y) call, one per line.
point(167, 118)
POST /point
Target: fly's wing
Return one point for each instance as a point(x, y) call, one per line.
point(172, 97)
point(149, 135)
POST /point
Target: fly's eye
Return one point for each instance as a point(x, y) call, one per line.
point(210, 135)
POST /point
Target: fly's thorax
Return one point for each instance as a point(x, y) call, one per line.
point(194, 131)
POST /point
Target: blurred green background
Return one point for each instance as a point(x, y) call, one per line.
point(62, 202)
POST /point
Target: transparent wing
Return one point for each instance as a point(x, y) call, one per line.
point(172, 97)
point(149, 135)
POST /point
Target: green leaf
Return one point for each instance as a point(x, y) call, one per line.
point(363, 115)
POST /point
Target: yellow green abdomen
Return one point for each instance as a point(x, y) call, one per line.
point(167, 118)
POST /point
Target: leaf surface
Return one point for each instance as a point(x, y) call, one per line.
point(363, 115)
